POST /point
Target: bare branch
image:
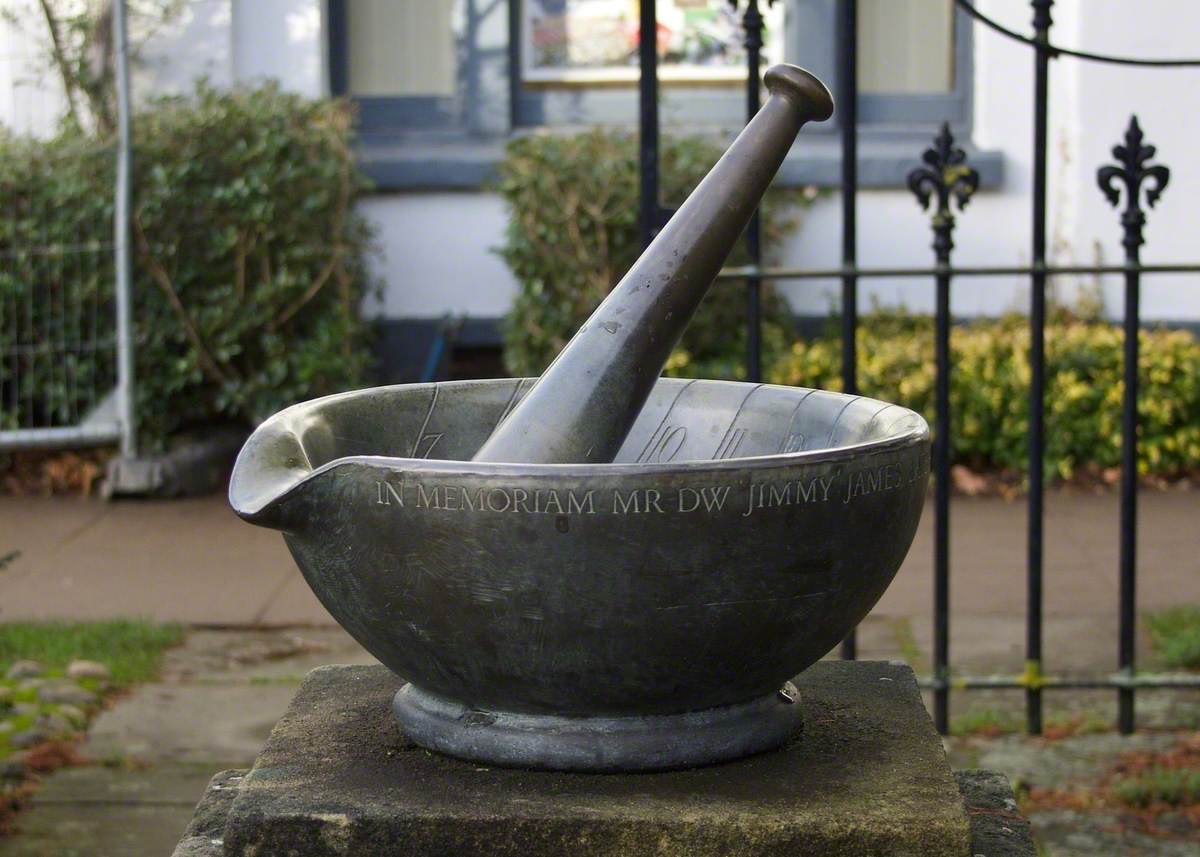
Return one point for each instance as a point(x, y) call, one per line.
point(207, 362)
point(70, 80)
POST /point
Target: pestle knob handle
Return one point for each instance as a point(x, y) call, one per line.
point(812, 99)
point(587, 400)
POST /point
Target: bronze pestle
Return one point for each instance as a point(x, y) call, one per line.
point(584, 404)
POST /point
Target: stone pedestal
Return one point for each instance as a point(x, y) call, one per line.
point(868, 778)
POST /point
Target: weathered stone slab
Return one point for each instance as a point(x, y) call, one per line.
point(997, 827)
point(203, 837)
point(868, 778)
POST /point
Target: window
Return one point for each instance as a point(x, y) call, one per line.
point(577, 61)
point(905, 48)
point(401, 48)
point(471, 71)
point(914, 63)
point(397, 59)
point(596, 41)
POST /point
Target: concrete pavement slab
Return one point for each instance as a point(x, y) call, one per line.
point(295, 600)
point(988, 556)
point(99, 812)
point(181, 560)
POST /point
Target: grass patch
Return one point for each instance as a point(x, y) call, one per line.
point(131, 648)
point(1159, 785)
point(985, 722)
point(1060, 725)
point(1175, 634)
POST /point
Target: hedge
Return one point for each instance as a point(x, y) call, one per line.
point(573, 233)
point(989, 388)
point(248, 259)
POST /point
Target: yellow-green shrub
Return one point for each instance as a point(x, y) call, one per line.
point(989, 388)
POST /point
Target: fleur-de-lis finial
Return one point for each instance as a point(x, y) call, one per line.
point(946, 175)
point(752, 22)
point(1133, 173)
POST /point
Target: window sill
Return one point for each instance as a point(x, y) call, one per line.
point(407, 166)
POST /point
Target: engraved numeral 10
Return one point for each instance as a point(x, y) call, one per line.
point(664, 444)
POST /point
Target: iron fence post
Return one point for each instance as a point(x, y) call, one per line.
point(752, 27)
point(648, 209)
point(848, 119)
point(1133, 172)
point(1042, 22)
point(121, 214)
point(944, 177)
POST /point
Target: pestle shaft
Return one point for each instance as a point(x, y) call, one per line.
point(586, 401)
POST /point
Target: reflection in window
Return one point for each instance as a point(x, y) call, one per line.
point(905, 47)
point(596, 41)
point(400, 47)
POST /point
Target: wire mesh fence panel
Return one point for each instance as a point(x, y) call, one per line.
point(58, 344)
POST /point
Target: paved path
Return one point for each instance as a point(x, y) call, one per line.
point(193, 561)
point(212, 708)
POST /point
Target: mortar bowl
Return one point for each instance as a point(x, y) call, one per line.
point(638, 615)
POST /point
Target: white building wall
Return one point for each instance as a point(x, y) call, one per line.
point(1167, 103)
point(280, 39)
point(435, 255)
point(198, 43)
point(31, 97)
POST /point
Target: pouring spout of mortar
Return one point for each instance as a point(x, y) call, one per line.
point(583, 406)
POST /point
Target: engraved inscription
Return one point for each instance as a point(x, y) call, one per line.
point(540, 501)
point(386, 493)
point(638, 501)
point(873, 480)
point(713, 498)
point(838, 487)
point(770, 494)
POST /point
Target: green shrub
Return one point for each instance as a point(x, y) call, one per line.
point(1175, 633)
point(248, 260)
point(989, 388)
point(572, 234)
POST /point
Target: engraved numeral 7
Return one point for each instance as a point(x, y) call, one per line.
point(430, 441)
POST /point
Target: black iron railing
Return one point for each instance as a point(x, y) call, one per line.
point(943, 182)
